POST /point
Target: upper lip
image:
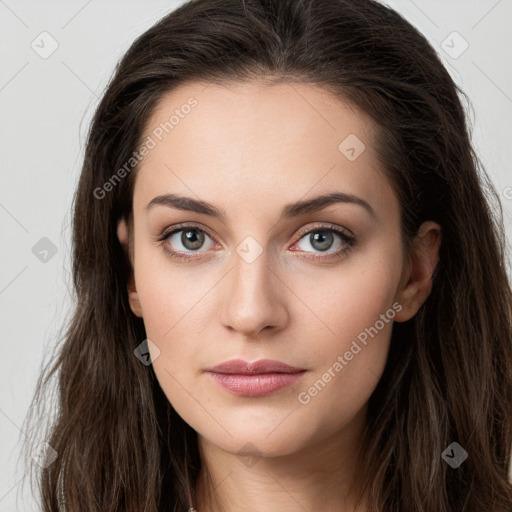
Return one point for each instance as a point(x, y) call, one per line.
point(239, 366)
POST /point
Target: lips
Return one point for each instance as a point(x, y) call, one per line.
point(256, 379)
point(262, 366)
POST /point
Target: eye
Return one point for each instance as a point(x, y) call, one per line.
point(186, 240)
point(324, 238)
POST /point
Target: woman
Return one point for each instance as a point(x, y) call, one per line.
point(291, 289)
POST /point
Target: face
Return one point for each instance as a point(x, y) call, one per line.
point(253, 266)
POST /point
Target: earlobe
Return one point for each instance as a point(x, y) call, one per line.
point(133, 297)
point(422, 264)
point(122, 232)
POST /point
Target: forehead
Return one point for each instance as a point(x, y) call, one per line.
point(278, 143)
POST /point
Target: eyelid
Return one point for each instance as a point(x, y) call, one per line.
point(181, 227)
point(349, 237)
point(326, 226)
point(303, 231)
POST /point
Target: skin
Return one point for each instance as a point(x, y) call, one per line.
point(251, 149)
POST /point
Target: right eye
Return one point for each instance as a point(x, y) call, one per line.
point(183, 241)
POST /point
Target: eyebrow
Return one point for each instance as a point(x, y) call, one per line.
point(290, 210)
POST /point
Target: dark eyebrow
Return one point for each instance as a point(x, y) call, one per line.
point(291, 210)
point(319, 202)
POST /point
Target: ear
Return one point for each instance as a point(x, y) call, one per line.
point(416, 283)
point(133, 298)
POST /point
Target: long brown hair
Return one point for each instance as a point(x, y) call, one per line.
point(119, 444)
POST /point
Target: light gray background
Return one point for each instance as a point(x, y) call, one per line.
point(46, 105)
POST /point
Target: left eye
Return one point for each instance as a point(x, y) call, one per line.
point(323, 240)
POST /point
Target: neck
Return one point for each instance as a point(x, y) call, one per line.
point(320, 476)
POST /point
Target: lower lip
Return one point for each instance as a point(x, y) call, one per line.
point(255, 385)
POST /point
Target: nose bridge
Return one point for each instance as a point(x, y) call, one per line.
point(253, 299)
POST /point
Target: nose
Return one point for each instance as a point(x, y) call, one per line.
point(253, 298)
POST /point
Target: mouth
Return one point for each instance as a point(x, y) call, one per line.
point(258, 378)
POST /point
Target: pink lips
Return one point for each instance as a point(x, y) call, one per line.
point(258, 378)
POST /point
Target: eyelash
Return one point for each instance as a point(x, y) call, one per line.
point(348, 240)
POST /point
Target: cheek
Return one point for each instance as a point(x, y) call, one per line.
point(352, 298)
point(169, 293)
point(171, 300)
point(358, 306)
